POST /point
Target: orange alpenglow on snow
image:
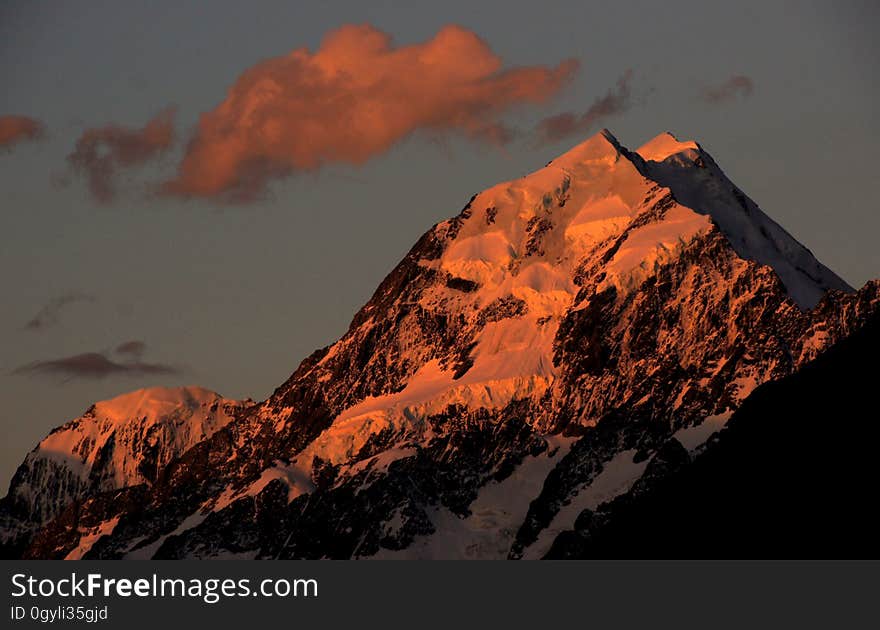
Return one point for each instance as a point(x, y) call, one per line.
point(352, 99)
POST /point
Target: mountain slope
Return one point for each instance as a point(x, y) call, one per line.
point(790, 476)
point(527, 359)
point(115, 444)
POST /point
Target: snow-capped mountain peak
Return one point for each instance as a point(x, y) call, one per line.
point(532, 357)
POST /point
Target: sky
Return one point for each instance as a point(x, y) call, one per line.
point(204, 193)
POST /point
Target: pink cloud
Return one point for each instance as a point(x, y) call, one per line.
point(617, 100)
point(50, 314)
point(101, 152)
point(736, 86)
point(351, 100)
point(15, 129)
point(94, 365)
point(134, 348)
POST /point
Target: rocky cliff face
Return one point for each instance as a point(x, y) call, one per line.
point(115, 444)
point(527, 360)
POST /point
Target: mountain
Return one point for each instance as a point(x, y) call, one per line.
point(115, 444)
point(531, 358)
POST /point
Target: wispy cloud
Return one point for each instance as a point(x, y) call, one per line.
point(132, 348)
point(50, 314)
point(737, 86)
point(353, 99)
point(101, 152)
point(94, 365)
point(616, 101)
point(15, 129)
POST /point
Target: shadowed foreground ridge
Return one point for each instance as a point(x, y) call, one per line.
point(791, 476)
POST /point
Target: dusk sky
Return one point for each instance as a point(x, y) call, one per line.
point(186, 200)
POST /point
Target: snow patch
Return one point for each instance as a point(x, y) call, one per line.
point(645, 249)
point(617, 477)
point(663, 146)
point(694, 437)
point(91, 535)
point(496, 513)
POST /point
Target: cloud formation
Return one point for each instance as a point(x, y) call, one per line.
point(132, 348)
point(616, 101)
point(93, 365)
point(101, 152)
point(49, 315)
point(737, 86)
point(353, 99)
point(15, 129)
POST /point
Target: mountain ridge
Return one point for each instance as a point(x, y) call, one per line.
point(777, 475)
